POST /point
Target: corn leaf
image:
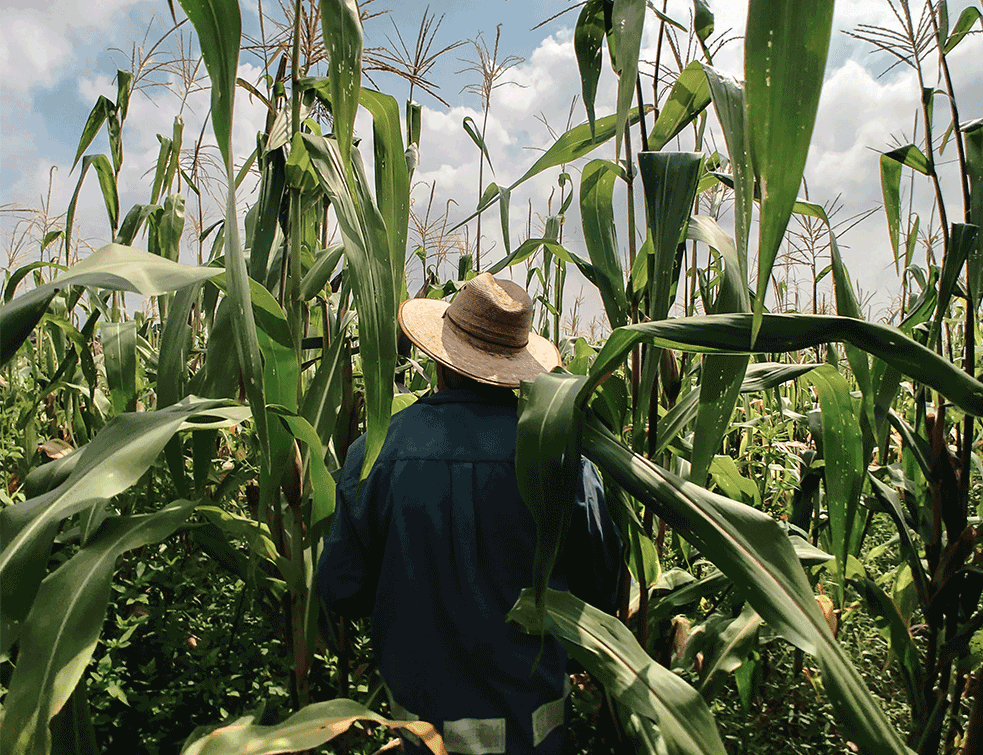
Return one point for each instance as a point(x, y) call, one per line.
point(219, 28)
point(119, 348)
point(689, 96)
point(785, 49)
point(607, 649)
point(600, 235)
point(627, 23)
point(114, 266)
point(747, 545)
point(342, 31)
point(844, 471)
point(587, 39)
point(731, 334)
point(366, 250)
point(114, 460)
point(311, 727)
point(63, 627)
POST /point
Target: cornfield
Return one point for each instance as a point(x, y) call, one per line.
point(777, 477)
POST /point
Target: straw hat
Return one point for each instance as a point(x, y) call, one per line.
point(483, 334)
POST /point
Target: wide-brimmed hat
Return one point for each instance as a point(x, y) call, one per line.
point(483, 334)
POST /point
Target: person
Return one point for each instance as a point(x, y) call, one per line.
point(436, 543)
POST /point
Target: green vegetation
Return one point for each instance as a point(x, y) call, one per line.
point(800, 494)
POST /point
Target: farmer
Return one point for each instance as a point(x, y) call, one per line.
point(436, 544)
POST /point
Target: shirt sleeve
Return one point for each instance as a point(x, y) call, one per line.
point(347, 574)
point(592, 550)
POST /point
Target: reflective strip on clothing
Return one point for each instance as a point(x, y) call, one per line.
point(486, 736)
point(475, 736)
point(549, 715)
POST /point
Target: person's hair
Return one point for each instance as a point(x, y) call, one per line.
point(454, 380)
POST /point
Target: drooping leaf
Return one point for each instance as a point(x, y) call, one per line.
point(114, 460)
point(114, 266)
point(547, 460)
point(745, 545)
point(785, 49)
point(309, 728)
point(627, 23)
point(732, 334)
point(607, 649)
point(964, 24)
point(219, 28)
point(730, 652)
point(60, 633)
point(689, 96)
point(587, 39)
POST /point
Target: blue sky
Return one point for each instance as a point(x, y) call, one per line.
point(56, 60)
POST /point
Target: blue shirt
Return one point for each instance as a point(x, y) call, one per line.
point(440, 520)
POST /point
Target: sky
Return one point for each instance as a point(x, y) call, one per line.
point(56, 58)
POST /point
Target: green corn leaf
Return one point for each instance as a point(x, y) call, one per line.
point(119, 347)
point(607, 649)
point(63, 627)
point(571, 145)
point(962, 240)
point(967, 18)
point(171, 227)
point(892, 505)
point(689, 96)
point(702, 20)
point(97, 117)
point(911, 156)
point(20, 273)
point(903, 649)
point(322, 400)
point(785, 49)
point(547, 461)
point(322, 485)
point(627, 23)
point(891, 194)
point(727, 655)
point(114, 266)
point(730, 334)
point(342, 31)
point(721, 375)
point(844, 471)
point(587, 39)
point(114, 460)
point(107, 183)
point(266, 234)
point(175, 342)
point(366, 251)
point(472, 130)
point(318, 275)
point(747, 546)
point(219, 28)
point(132, 222)
point(392, 181)
point(309, 728)
point(728, 101)
point(669, 179)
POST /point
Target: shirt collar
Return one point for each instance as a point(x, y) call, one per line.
point(491, 394)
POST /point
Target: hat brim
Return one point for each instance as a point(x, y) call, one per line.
point(423, 322)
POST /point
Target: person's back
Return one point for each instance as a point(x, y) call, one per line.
point(436, 545)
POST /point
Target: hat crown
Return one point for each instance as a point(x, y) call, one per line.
point(497, 311)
